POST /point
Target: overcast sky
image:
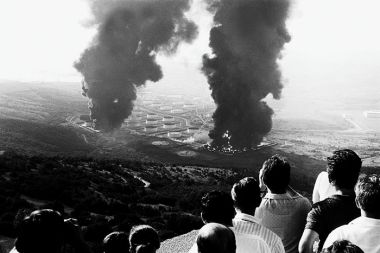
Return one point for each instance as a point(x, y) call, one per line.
point(335, 44)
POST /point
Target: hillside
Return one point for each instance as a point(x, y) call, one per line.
point(107, 195)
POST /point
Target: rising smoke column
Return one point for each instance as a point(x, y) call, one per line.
point(123, 53)
point(246, 41)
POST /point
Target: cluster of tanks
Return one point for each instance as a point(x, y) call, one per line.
point(165, 117)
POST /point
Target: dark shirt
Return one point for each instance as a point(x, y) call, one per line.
point(330, 213)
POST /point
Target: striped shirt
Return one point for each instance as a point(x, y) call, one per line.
point(249, 225)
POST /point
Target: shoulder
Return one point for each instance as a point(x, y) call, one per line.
point(336, 234)
point(182, 243)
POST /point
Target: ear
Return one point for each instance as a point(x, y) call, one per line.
point(203, 218)
point(357, 203)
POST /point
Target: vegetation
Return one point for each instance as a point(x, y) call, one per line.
point(106, 195)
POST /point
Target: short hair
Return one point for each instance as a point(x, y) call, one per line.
point(143, 238)
point(214, 237)
point(246, 194)
point(217, 206)
point(41, 231)
point(116, 242)
point(276, 174)
point(343, 168)
point(343, 246)
point(368, 193)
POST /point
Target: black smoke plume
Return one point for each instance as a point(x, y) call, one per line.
point(246, 41)
point(123, 54)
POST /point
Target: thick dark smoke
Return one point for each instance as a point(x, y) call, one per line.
point(246, 41)
point(123, 54)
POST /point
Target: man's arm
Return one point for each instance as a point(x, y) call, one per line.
point(309, 237)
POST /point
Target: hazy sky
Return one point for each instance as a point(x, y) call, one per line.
point(335, 44)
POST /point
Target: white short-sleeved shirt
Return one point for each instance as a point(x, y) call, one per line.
point(284, 214)
point(363, 232)
point(322, 188)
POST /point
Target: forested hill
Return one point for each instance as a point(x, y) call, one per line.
point(107, 195)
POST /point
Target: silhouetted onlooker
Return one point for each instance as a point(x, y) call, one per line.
point(250, 235)
point(40, 232)
point(45, 231)
point(343, 169)
point(116, 242)
point(216, 207)
point(343, 246)
point(216, 238)
point(282, 209)
point(364, 231)
point(143, 239)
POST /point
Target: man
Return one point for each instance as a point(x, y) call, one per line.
point(343, 247)
point(343, 169)
point(143, 239)
point(250, 235)
point(214, 237)
point(116, 242)
point(45, 231)
point(365, 230)
point(282, 210)
point(216, 207)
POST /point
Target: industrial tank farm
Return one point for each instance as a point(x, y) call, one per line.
point(170, 116)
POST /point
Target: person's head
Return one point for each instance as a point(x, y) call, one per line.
point(116, 242)
point(143, 239)
point(42, 231)
point(275, 174)
point(343, 168)
point(343, 246)
point(215, 237)
point(217, 207)
point(246, 195)
point(367, 192)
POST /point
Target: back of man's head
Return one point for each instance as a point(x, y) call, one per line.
point(143, 239)
point(40, 232)
point(116, 242)
point(343, 246)
point(368, 194)
point(217, 207)
point(214, 237)
point(275, 174)
point(343, 168)
point(246, 195)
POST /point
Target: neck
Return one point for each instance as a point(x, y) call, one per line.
point(245, 211)
point(369, 215)
point(342, 191)
point(273, 192)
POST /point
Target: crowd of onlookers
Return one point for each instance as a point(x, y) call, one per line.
point(264, 215)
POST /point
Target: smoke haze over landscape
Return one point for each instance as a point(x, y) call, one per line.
point(123, 54)
point(246, 40)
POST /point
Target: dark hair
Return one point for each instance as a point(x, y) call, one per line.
point(217, 207)
point(368, 193)
point(246, 194)
point(41, 231)
point(276, 174)
point(343, 168)
point(116, 242)
point(343, 246)
point(143, 238)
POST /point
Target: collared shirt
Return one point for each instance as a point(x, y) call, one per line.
point(249, 225)
point(363, 232)
point(284, 214)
